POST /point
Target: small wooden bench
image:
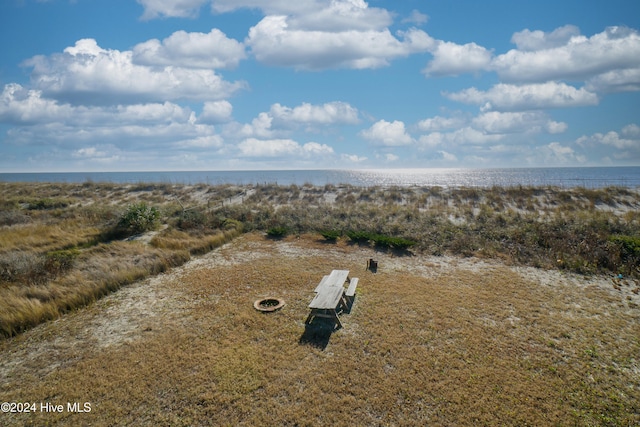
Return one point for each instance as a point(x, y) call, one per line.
point(351, 290)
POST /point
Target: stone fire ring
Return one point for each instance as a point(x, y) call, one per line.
point(268, 305)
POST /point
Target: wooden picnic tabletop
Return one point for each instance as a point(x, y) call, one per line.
point(327, 298)
point(336, 278)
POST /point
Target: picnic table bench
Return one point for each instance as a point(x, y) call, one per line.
point(330, 293)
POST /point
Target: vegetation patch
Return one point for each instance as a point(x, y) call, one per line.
point(138, 218)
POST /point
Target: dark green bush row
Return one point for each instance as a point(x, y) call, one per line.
point(364, 237)
point(380, 240)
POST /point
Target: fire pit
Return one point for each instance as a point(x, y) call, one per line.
point(268, 305)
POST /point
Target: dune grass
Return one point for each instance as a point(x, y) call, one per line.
point(429, 341)
point(579, 230)
point(62, 246)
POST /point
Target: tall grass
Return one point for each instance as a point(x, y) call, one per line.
point(61, 245)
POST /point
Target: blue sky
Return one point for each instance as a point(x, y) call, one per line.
point(122, 85)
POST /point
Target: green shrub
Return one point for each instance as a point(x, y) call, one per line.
point(138, 218)
point(381, 240)
point(629, 246)
point(331, 235)
point(190, 220)
point(277, 232)
point(359, 236)
point(628, 252)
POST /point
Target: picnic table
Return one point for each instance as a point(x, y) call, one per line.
point(330, 293)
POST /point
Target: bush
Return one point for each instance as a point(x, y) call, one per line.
point(629, 251)
point(381, 240)
point(331, 235)
point(190, 220)
point(138, 218)
point(359, 236)
point(277, 232)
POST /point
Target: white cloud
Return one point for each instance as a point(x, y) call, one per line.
point(439, 123)
point(43, 121)
point(342, 15)
point(623, 146)
point(558, 154)
point(416, 17)
point(192, 50)
point(216, 112)
point(208, 141)
point(271, 7)
point(464, 136)
point(28, 107)
point(446, 156)
point(431, 140)
point(323, 15)
point(516, 122)
point(612, 139)
point(453, 59)
point(273, 42)
point(89, 74)
point(616, 81)
point(170, 8)
point(305, 34)
point(387, 133)
point(353, 158)
point(316, 149)
point(19, 105)
point(528, 41)
point(508, 97)
point(564, 55)
point(281, 119)
point(279, 148)
point(328, 113)
point(260, 127)
point(554, 127)
point(469, 135)
point(631, 131)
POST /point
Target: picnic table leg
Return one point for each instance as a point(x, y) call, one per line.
point(309, 318)
point(344, 303)
point(335, 314)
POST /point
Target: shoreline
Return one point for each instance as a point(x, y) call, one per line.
point(564, 177)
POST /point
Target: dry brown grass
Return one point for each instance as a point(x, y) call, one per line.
point(429, 341)
point(60, 247)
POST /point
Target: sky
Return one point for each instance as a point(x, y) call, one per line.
point(162, 85)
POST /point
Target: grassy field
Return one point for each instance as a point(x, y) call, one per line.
point(429, 341)
point(496, 306)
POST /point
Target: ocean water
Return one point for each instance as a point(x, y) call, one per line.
point(589, 177)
